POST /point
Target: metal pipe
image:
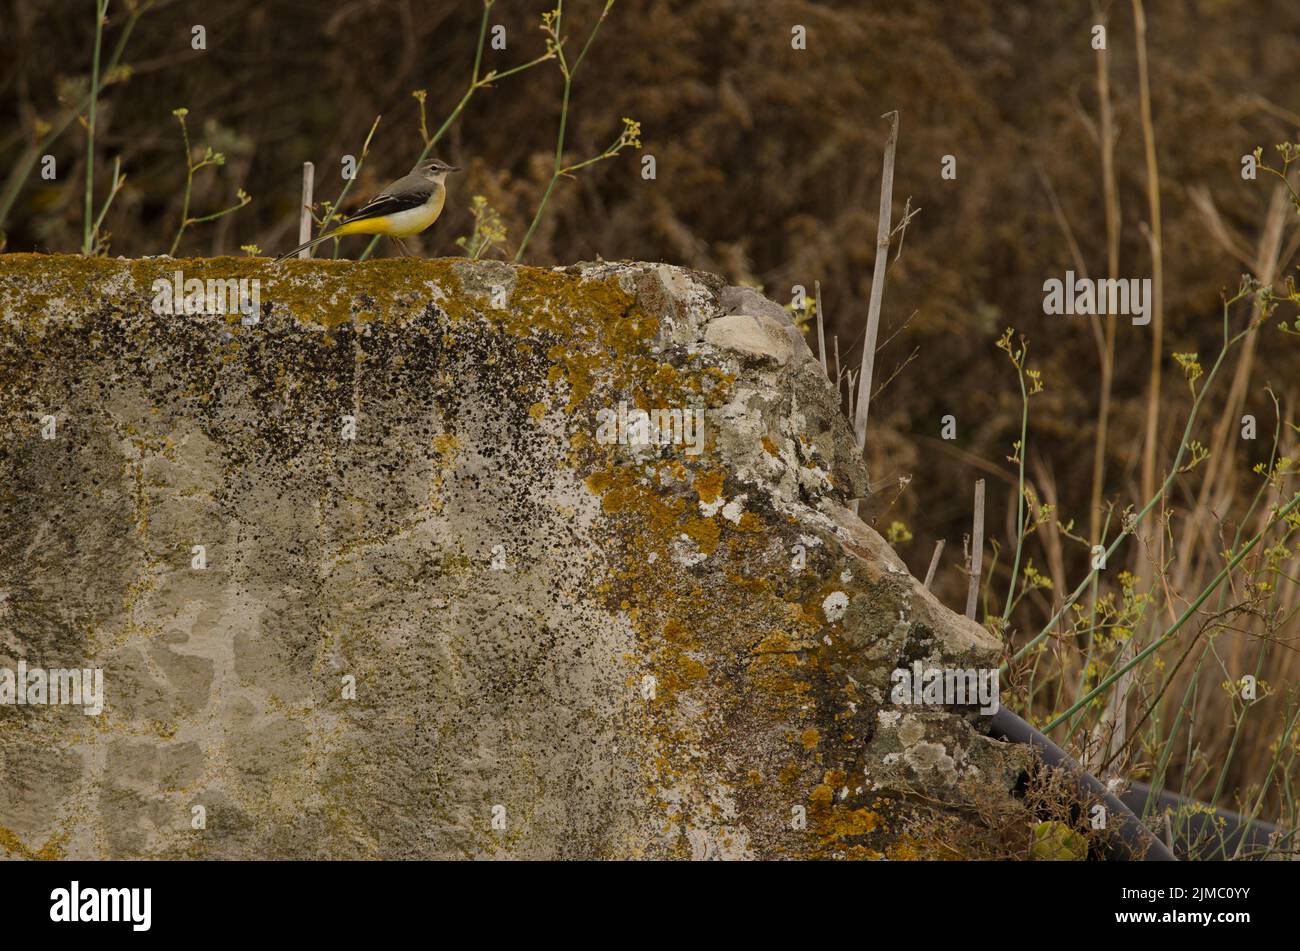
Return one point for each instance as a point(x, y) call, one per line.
point(1126, 836)
point(1221, 832)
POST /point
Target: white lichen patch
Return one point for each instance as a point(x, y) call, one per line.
point(911, 731)
point(685, 552)
point(734, 509)
point(930, 756)
point(710, 509)
point(835, 605)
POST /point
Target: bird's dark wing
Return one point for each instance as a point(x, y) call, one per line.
point(412, 191)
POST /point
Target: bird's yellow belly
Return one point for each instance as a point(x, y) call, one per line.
point(403, 223)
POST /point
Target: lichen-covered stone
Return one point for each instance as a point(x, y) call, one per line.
point(754, 335)
point(561, 647)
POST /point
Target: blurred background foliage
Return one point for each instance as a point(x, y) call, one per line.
point(768, 167)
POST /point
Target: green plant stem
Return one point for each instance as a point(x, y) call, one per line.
point(356, 173)
point(189, 185)
point(1020, 495)
point(1283, 742)
point(23, 167)
point(1259, 664)
point(218, 214)
point(1236, 734)
point(550, 185)
point(1128, 526)
point(1167, 748)
point(1182, 618)
point(88, 225)
point(476, 83)
point(1158, 777)
point(1092, 634)
point(118, 179)
point(568, 72)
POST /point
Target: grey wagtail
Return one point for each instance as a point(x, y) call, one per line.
point(405, 207)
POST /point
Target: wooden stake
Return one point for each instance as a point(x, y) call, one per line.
point(304, 220)
point(877, 283)
point(821, 329)
point(934, 563)
point(976, 551)
point(1157, 258)
point(835, 340)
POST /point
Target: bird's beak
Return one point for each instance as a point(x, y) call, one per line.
point(453, 168)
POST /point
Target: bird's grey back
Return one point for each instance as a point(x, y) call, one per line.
point(409, 191)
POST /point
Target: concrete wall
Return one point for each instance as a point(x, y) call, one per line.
point(560, 647)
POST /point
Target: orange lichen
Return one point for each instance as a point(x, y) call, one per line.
point(705, 532)
point(708, 485)
point(841, 823)
point(675, 631)
point(51, 851)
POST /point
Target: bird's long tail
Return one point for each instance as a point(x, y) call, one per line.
point(309, 244)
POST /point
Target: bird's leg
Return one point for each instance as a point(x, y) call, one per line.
point(400, 246)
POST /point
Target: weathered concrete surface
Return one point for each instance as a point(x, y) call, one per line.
point(634, 650)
